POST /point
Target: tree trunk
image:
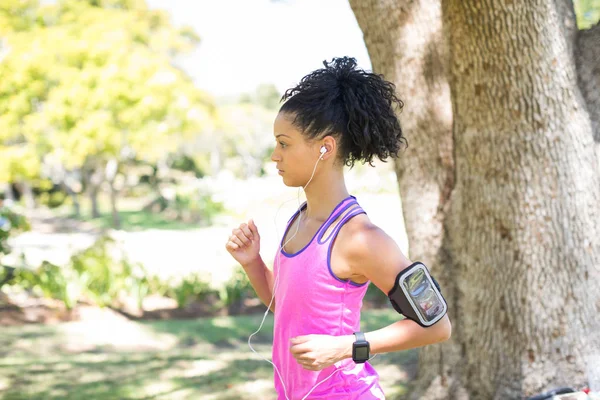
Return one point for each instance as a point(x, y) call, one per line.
point(588, 60)
point(28, 195)
point(93, 176)
point(508, 218)
point(74, 198)
point(524, 221)
point(407, 45)
point(93, 194)
point(113, 206)
point(9, 194)
point(112, 169)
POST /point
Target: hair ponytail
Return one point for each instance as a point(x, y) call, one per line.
point(357, 107)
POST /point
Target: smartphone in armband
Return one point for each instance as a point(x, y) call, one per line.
point(417, 296)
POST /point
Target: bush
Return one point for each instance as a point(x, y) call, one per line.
point(11, 223)
point(196, 207)
point(51, 281)
point(236, 290)
point(106, 280)
point(92, 275)
point(190, 288)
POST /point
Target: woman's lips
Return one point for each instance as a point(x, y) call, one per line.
point(280, 172)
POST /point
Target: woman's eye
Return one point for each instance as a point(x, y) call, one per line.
point(282, 144)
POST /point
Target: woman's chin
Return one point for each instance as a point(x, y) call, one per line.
point(289, 183)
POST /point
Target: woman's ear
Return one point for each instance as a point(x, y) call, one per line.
point(329, 144)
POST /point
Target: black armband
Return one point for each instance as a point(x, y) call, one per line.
point(417, 296)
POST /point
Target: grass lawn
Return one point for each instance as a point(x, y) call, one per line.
point(192, 359)
point(131, 215)
point(136, 220)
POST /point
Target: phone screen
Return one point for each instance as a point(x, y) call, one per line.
point(422, 294)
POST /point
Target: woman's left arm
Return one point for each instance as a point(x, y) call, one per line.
point(375, 255)
point(371, 253)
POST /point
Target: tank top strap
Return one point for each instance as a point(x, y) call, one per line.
point(296, 213)
point(343, 206)
point(349, 210)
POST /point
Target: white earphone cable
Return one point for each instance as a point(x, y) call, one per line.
point(277, 281)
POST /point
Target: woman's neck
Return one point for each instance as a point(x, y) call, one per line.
point(323, 193)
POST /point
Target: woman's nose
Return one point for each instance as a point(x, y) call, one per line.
point(274, 156)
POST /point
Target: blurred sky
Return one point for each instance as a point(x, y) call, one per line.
point(248, 42)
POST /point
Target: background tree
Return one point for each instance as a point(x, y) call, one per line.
point(91, 85)
point(501, 188)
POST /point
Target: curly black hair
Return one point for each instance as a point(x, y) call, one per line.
point(356, 107)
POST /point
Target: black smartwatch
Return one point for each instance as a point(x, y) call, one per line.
point(360, 348)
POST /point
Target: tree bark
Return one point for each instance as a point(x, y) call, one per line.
point(523, 220)
point(500, 202)
point(406, 44)
point(588, 69)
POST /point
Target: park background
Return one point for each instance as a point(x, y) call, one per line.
point(134, 136)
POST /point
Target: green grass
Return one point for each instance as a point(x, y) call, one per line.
point(131, 214)
point(200, 359)
point(137, 221)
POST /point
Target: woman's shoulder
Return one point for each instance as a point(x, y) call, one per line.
point(359, 234)
point(371, 253)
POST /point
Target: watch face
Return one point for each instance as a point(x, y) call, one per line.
point(362, 353)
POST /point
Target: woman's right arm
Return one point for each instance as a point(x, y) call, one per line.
point(261, 279)
point(244, 247)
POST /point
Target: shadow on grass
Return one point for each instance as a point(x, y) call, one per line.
point(224, 332)
point(210, 360)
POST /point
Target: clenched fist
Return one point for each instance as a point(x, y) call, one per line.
point(244, 243)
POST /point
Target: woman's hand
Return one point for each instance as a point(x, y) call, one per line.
point(317, 352)
point(244, 243)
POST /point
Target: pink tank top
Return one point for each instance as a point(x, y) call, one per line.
point(310, 299)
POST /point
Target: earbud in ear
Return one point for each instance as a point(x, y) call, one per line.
point(323, 150)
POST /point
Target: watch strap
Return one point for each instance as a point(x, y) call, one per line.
point(360, 337)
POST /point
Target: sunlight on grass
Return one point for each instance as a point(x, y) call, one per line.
point(206, 358)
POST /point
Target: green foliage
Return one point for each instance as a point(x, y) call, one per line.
point(266, 95)
point(236, 289)
point(11, 223)
point(375, 296)
point(186, 163)
point(190, 288)
point(244, 133)
point(93, 274)
point(53, 282)
point(100, 276)
point(49, 194)
point(588, 12)
point(107, 280)
point(92, 80)
point(196, 206)
point(53, 199)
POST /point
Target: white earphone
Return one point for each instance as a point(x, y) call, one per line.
point(322, 151)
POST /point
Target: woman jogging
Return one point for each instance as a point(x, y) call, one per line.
point(330, 250)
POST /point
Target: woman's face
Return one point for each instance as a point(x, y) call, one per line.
point(294, 156)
